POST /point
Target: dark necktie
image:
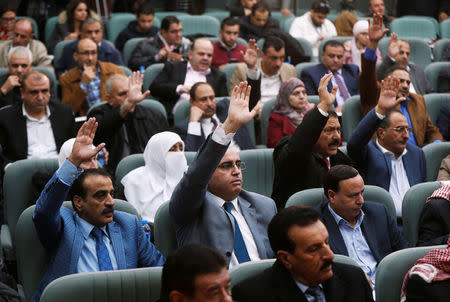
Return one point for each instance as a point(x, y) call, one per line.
point(314, 292)
point(239, 244)
point(104, 262)
point(341, 85)
point(213, 120)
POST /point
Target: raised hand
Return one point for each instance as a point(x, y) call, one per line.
point(250, 57)
point(376, 31)
point(135, 94)
point(394, 46)
point(238, 112)
point(82, 148)
point(11, 82)
point(326, 99)
point(388, 94)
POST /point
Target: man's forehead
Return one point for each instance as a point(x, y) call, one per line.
point(231, 155)
point(16, 58)
point(91, 27)
point(271, 51)
point(401, 74)
point(332, 122)
point(334, 49)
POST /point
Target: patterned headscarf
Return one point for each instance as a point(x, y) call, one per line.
point(284, 108)
point(443, 192)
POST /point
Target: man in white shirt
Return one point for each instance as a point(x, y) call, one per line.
point(314, 25)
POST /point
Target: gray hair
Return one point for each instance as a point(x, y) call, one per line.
point(90, 20)
point(20, 51)
point(111, 80)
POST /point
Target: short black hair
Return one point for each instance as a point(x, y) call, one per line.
point(145, 9)
point(165, 23)
point(185, 264)
point(285, 219)
point(386, 122)
point(273, 41)
point(347, 5)
point(391, 70)
point(335, 175)
point(229, 21)
point(332, 43)
point(320, 6)
point(35, 74)
point(78, 188)
point(194, 87)
point(7, 7)
point(260, 6)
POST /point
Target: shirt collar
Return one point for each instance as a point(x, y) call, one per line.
point(204, 73)
point(86, 227)
point(340, 220)
point(26, 115)
point(208, 120)
point(386, 151)
point(226, 47)
point(221, 202)
point(304, 287)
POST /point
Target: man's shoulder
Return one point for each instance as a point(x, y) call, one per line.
point(351, 67)
point(70, 75)
point(374, 208)
point(5, 45)
point(314, 69)
point(110, 67)
point(288, 68)
point(10, 111)
point(348, 272)
point(60, 108)
point(257, 200)
point(36, 43)
point(122, 217)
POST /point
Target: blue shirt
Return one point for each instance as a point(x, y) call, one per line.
point(356, 244)
point(310, 298)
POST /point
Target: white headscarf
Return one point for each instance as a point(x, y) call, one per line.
point(358, 27)
point(147, 187)
point(65, 150)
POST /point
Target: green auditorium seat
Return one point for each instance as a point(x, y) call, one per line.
point(199, 24)
point(434, 154)
point(351, 116)
point(432, 73)
point(150, 74)
point(434, 102)
point(259, 172)
point(165, 237)
point(265, 113)
point(415, 27)
point(445, 29)
point(129, 47)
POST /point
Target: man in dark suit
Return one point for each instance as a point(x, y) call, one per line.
point(258, 22)
point(35, 128)
point(209, 207)
point(92, 237)
point(390, 161)
point(345, 76)
point(364, 231)
point(205, 115)
point(91, 29)
point(304, 269)
point(174, 82)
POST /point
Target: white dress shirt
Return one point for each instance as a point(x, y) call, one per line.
point(191, 78)
point(270, 85)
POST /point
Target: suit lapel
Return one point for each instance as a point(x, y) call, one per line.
point(22, 132)
point(78, 243)
point(117, 243)
point(336, 240)
point(333, 288)
point(409, 168)
point(387, 162)
point(370, 234)
point(249, 213)
point(283, 285)
point(57, 130)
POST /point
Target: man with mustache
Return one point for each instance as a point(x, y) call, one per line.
point(391, 161)
point(364, 231)
point(209, 207)
point(304, 269)
point(302, 159)
point(205, 115)
point(92, 237)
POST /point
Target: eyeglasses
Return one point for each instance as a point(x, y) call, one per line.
point(227, 166)
point(401, 129)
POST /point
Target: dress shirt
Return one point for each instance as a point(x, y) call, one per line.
point(404, 110)
point(220, 138)
point(270, 85)
point(356, 244)
point(92, 89)
point(339, 97)
point(310, 298)
point(191, 78)
point(41, 141)
point(399, 179)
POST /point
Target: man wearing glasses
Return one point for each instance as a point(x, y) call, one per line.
point(209, 206)
point(390, 161)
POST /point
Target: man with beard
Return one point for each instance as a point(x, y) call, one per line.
point(302, 160)
point(363, 231)
point(390, 162)
point(227, 50)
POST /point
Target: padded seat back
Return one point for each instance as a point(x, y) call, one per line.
point(434, 154)
point(432, 73)
point(265, 114)
point(351, 116)
point(150, 74)
point(258, 175)
point(129, 47)
point(165, 236)
point(199, 25)
point(416, 27)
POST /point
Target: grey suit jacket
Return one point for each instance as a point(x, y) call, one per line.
point(198, 218)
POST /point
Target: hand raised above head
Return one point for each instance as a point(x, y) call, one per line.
point(135, 94)
point(82, 148)
point(326, 99)
point(376, 31)
point(388, 95)
point(250, 56)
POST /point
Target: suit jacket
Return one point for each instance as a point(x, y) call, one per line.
point(13, 129)
point(444, 169)
point(378, 228)
point(249, 31)
point(418, 78)
point(375, 166)
point(71, 90)
point(194, 142)
point(297, 166)
point(276, 284)
point(443, 121)
point(173, 74)
point(418, 290)
point(141, 125)
point(240, 74)
point(197, 217)
point(61, 236)
point(311, 77)
point(434, 222)
point(40, 57)
point(369, 87)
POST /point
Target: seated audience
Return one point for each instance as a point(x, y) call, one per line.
point(356, 46)
point(259, 21)
point(65, 151)
point(421, 129)
point(86, 239)
point(302, 160)
point(23, 36)
point(443, 121)
point(363, 230)
point(35, 127)
point(378, 7)
point(204, 117)
point(346, 19)
point(304, 269)
point(434, 223)
point(209, 207)
point(314, 25)
point(242, 7)
point(195, 273)
point(169, 45)
point(438, 9)
point(85, 85)
point(69, 23)
point(290, 108)
point(123, 125)
point(90, 29)
point(345, 76)
point(444, 169)
point(389, 161)
point(227, 50)
point(429, 278)
point(148, 187)
point(174, 82)
point(7, 21)
point(264, 74)
point(141, 28)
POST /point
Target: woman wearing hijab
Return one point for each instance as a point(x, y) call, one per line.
point(148, 187)
point(292, 105)
point(356, 46)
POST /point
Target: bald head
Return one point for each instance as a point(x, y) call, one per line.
point(201, 54)
point(116, 90)
point(86, 53)
point(377, 7)
point(23, 32)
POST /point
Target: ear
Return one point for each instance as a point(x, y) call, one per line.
point(176, 296)
point(22, 92)
point(380, 133)
point(75, 56)
point(190, 54)
point(283, 256)
point(77, 201)
point(331, 196)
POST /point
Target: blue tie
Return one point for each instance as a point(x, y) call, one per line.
point(104, 262)
point(315, 293)
point(239, 244)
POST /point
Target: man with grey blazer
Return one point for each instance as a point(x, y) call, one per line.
point(209, 207)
